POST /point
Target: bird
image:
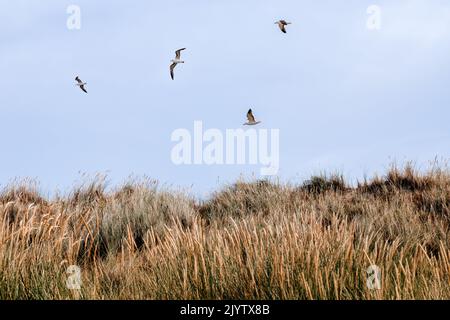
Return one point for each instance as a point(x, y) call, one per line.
point(176, 61)
point(282, 24)
point(81, 84)
point(251, 119)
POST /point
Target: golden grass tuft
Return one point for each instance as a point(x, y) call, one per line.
point(251, 240)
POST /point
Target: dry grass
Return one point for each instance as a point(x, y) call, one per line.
point(257, 240)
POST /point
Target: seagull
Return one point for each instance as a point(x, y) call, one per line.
point(176, 61)
point(81, 84)
point(282, 24)
point(251, 119)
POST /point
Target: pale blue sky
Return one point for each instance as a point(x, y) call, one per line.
point(344, 98)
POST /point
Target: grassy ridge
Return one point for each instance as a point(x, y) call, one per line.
point(258, 240)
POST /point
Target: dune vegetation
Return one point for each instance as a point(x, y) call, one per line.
point(250, 240)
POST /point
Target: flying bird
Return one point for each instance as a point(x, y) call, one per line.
point(251, 119)
point(176, 61)
point(282, 25)
point(81, 84)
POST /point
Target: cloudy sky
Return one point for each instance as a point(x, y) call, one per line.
point(345, 98)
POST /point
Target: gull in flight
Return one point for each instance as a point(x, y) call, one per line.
point(251, 119)
point(282, 24)
point(81, 84)
point(176, 61)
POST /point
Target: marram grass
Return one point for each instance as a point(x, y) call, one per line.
point(258, 240)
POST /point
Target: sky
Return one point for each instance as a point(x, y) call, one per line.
point(344, 98)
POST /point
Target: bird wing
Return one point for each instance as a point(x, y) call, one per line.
point(178, 53)
point(77, 79)
point(283, 22)
point(83, 88)
point(172, 67)
point(250, 116)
